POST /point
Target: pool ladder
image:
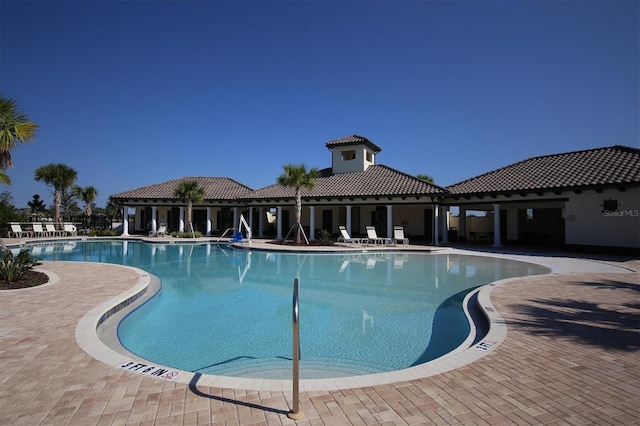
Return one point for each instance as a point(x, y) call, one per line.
point(295, 412)
point(225, 233)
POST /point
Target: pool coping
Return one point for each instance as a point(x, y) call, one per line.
point(89, 341)
point(112, 353)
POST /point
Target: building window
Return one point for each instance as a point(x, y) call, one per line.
point(369, 157)
point(348, 155)
point(529, 214)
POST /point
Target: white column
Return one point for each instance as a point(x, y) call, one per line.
point(181, 224)
point(496, 226)
point(312, 223)
point(436, 225)
point(279, 223)
point(208, 233)
point(261, 222)
point(154, 224)
point(236, 219)
point(445, 224)
point(462, 224)
point(389, 221)
point(125, 221)
point(348, 224)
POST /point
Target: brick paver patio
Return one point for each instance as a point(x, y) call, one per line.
point(571, 357)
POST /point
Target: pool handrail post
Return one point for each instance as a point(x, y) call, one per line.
point(295, 412)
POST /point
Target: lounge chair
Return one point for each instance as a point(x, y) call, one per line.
point(373, 238)
point(52, 231)
point(160, 232)
point(17, 232)
point(70, 229)
point(38, 230)
point(345, 238)
point(398, 235)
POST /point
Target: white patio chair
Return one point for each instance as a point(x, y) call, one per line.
point(162, 231)
point(398, 235)
point(70, 229)
point(345, 238)
point(373, 238)
point(17, 231)
point(38, 230)
point(51, 230)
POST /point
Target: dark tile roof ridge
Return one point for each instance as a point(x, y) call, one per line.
point(210, 178)
point(560, 154)
point(377, 180)
point(442, 188)
point(353, 140)
point(570, 154)
point(162, 190)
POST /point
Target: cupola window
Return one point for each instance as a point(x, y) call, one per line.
point(348, 155)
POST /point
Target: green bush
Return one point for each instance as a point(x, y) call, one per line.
point(197, 234)
point(325, 237)
point(103, 233)
point(13, 268)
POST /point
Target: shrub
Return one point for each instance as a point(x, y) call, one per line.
point(13, 268)
point(325, 237)
point(197, 234)
point(103, 233)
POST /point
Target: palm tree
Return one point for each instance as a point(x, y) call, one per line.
point(14, 127)
point(113, 208)
point(4, 177)
point(60, 177)
point(297, 176)
point(191, 192)
point(88, 196)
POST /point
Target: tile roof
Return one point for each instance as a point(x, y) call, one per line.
point(600, 167)
point(377, 180)
point(353, 140)
point(215, 188)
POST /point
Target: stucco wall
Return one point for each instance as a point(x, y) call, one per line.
point(587, 223)
point(358, 164)
point(411, 218)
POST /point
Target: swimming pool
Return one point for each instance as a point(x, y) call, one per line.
point(228, 312)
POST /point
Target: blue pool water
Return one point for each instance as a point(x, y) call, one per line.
point(228, 312)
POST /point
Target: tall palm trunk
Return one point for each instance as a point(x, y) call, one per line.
point(298, 215)
point(57, 201)
point(189, 216)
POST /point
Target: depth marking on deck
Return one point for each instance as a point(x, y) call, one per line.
point(150, 370)
point(485, 345)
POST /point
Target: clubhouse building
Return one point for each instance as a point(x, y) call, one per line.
point(582, 199)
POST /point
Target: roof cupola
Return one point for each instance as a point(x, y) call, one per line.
point(352, 154)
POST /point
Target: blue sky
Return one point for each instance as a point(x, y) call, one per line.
point(132, 93)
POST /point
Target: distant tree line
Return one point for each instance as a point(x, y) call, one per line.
point(15, 129)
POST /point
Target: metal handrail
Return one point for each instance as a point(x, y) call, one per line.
point(224, 233)
point(295, 412)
